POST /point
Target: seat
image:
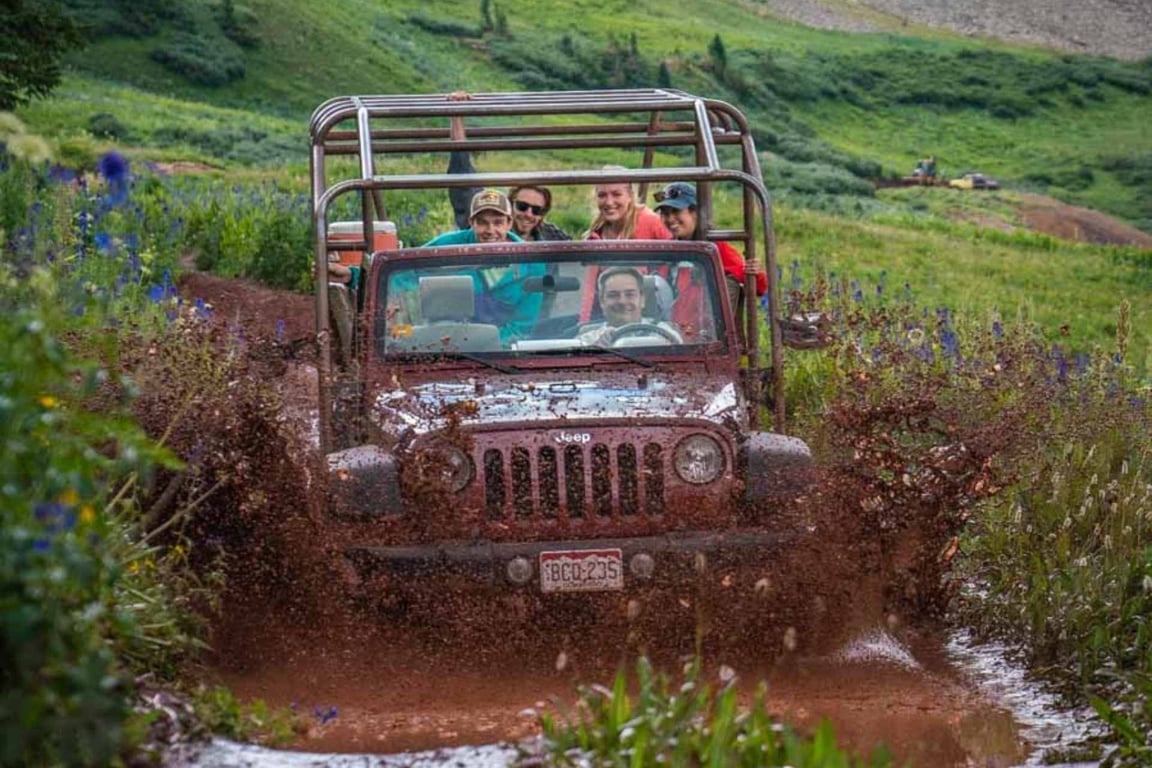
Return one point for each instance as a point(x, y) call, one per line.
point(447, 306)
point(658, 299)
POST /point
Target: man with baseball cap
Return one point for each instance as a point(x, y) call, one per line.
point(489, 219)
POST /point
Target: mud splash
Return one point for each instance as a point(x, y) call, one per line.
point(873, 542)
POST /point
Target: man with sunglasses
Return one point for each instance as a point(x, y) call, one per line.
point(530, 204)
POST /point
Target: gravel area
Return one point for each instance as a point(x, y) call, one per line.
point(1117, 28)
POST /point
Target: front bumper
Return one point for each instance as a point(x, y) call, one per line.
point(674, 556)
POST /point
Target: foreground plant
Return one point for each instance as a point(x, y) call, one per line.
point(64, 694)
point(102, 595)
point(687, 723)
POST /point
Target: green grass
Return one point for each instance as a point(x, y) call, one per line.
point(978, 270)
point(1033, 118)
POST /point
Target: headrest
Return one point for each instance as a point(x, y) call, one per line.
point(447, 298)
point(657, 298)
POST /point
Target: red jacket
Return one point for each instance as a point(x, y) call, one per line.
point(734, 265)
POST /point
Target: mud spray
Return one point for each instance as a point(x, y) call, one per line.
point(871, 539)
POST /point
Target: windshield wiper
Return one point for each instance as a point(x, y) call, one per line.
point(627, 356)
point(484, 361)
point(412, 356)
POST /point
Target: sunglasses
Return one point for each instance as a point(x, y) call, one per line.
point(523, 207)
point(670, 193)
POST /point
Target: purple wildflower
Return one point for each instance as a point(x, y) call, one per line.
point(61, 175)
point(950, 343)
point(997, 329)
point(56, 516)
point(325, 714)
point(103, 242)
point(1061, 364)
point(114, 168)
point(280, 330)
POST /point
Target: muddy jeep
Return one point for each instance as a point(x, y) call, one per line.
point(481, 421)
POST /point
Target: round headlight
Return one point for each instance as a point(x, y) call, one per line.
point(457, 472)
point(699, 459)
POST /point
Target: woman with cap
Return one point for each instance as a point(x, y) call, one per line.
point(676, 204)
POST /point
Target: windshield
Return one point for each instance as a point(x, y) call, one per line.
point(549, 304)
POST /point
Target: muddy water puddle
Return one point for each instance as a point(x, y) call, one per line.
point(931, 698)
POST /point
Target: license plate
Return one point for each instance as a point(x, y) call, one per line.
point(581, 570)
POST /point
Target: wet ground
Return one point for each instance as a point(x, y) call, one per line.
point(932, 698)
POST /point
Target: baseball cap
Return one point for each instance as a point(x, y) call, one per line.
point(490, 200)
point(678, 194)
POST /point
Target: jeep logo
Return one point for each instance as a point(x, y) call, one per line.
point(573, 437)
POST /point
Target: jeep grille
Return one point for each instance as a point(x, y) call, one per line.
point(576, 481)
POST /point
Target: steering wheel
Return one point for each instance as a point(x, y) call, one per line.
point(641, 329)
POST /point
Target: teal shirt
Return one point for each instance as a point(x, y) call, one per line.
point(463, 237)
point(500, 296)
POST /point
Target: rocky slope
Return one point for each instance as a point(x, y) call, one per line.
point(1117, 28)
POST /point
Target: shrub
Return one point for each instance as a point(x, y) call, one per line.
point(245, 145)
point(439, 26)
point(262, 232)
point(63, 695)
point(584, 65)
point(686, 723)
point(105, 126)
point(282, 256)
point(133, 18)
point(238, 24)
point(813, 178)
point(204, 60)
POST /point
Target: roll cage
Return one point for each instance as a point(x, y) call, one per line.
point(372, 128)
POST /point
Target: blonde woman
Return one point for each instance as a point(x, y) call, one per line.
point(620, 217)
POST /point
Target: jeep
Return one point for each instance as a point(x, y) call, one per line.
point(553, 453)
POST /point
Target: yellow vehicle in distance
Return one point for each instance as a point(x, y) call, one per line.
point(974, 181)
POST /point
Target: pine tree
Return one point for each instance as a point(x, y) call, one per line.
point(718, 54)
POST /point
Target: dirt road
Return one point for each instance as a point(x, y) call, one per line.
point(381, 687)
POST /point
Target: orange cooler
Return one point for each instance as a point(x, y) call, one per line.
point(383, 238)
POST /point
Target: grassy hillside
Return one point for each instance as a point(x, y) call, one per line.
point(832, 108)
point(867, 104)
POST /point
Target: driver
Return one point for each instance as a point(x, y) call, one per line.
point(621, 291)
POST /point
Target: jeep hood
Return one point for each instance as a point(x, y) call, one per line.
point(421, 408)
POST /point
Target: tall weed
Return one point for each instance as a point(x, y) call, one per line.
point(686, 722)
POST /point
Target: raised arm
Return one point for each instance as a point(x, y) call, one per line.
point(460, 162)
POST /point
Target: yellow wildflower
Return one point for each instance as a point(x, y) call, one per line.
point(48, 401)
point(69, 497)
point(87, 514)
